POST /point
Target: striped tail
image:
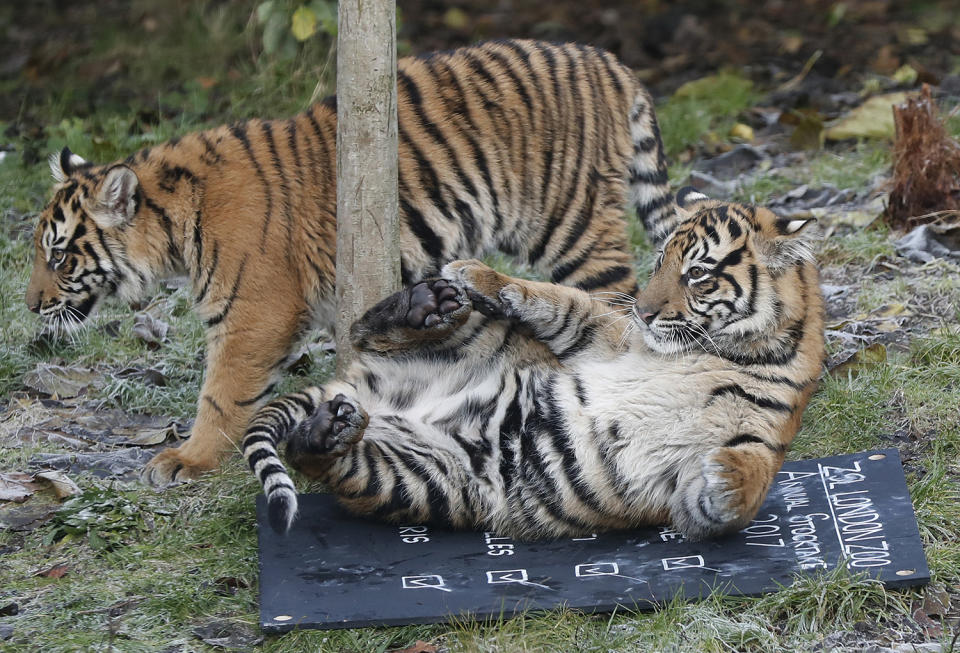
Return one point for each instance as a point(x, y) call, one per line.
point(271, 425)
point(647, 173)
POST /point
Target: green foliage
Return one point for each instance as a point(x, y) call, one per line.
point(855, 168)
point(106, 517)
point(706, 105)
point(287, 23)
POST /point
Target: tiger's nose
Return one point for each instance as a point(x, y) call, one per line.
point(35, 307)
point(646, 316)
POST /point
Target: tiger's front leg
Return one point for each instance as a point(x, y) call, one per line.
point(421, 314)
point(244, 354)
point(561, 317)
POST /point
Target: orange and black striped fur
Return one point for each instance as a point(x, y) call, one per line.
point(534, 410)
point(519, 146)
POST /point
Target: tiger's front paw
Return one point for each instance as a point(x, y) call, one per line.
point(328, 433)
point(734, 486)
point(437, 305)
point(723, 492)
point(492, 293)
point(175, 466)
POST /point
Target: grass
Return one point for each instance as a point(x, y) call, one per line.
point(190, 556)
point(702, 108)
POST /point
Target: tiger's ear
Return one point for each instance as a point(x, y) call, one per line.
point(687, 199)
point(787, 227)
point(785, 241)
point(64, 163)
point(115, 201)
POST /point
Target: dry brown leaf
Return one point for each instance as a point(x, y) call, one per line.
point(872, 119)
point(59, 381)
point(872, 355)
point(56, 571)
point(16, 486)
point(153, 437)
point(63, 487)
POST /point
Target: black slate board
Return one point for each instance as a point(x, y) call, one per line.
point(334, 570)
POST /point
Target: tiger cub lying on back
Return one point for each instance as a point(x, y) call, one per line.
point(537, 410)
point(519, 146)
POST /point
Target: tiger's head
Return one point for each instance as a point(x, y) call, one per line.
point(723, 277)
point(80, 257)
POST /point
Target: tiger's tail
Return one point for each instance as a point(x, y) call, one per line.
point(269, 427)
point(647, 172)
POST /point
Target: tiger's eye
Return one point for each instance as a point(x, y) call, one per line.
point(697, 272)
point(57, 255)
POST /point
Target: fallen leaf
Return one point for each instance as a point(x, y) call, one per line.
point(931, 628)
point(419, 647)
point(936, 601)
point(905, 75)
point(892, 310)
point(862, 216)
point(153, 437)
point(872, 119)
point(16, 487)
point(852, 365)
point(56, 571)
point(808, 128)
point(148, 374)
point(63, 487)
point(59, 381)
point(29, 515)
point(109, 464)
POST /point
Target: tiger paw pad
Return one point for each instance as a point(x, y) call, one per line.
point(435, 304)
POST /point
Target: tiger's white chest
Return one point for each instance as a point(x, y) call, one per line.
point(650, 397)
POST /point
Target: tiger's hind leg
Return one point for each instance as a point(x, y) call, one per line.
point(318, 424)
point(424, 313)
point(724, 493)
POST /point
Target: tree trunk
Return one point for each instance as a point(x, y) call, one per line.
point(368, 254)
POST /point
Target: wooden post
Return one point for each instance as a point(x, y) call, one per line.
point(368, 253)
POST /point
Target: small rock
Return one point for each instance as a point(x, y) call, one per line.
point(710, 185)
point(732, 164)
point(924, 244)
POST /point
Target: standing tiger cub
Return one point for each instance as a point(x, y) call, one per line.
point(536, 410)
point(518, 146)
